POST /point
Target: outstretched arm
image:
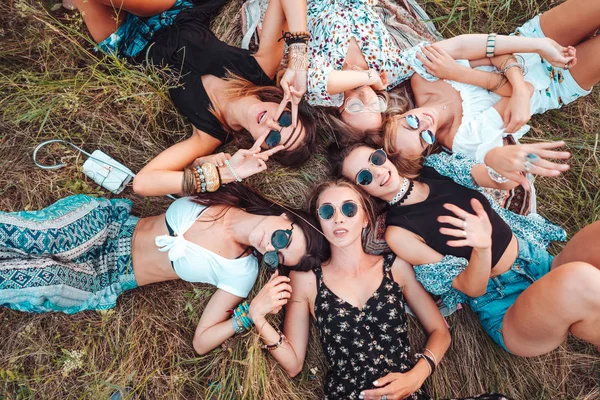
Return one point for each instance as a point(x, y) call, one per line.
point(473, 47)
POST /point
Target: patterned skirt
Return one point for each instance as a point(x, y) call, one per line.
point(72, 256)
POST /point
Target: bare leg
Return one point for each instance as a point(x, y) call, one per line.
point(100, 20)
point(566, 299)
point(572, 21)
point(582, 247)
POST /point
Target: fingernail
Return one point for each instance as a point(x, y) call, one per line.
point(375, 383)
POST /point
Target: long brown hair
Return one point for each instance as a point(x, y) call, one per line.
point(238, 87)
point(366, 203)
point(241, 196)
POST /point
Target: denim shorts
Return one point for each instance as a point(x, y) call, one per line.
point(502, 291)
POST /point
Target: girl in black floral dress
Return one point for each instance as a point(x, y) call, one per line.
point(358, 302)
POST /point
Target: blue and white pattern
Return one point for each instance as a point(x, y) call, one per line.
point(72, 256)
point(135, 32)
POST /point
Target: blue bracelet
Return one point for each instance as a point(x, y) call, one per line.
point(243, 314)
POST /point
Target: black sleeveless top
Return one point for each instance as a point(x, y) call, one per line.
point(191, 50)
point(421, 218)
point(362, 346)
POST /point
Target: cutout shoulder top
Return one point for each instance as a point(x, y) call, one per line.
point(194, 263)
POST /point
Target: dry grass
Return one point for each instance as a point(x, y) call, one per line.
point(52, 85)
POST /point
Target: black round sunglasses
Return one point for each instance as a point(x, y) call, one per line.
point(280, 239)
point(327, 210)
point(274, 136)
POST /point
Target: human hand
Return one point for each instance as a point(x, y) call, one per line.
point(440, 64)
point(252, 161)
point(395, 385)
point(511, 161)
point(557, 55)
point(216, 159)
point(271, 298)
point(517, 111)
point(475, 230)
point(294, 85)
point(381, 80)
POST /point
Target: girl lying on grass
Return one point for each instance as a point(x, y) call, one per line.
point(82, 253)
point(473, 117)
point(353, 55)
point(358, 301)
point(225, 92)
point(466, 249)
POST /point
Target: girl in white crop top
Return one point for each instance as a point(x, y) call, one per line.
point(470, 119)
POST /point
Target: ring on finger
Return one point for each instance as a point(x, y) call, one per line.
point(532, 157)
point(464, 233)
point(464, 225)
point(280, 295)
point(527, 166)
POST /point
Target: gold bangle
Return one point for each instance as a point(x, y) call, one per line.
point(211, 176)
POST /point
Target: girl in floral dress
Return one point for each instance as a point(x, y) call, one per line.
point(358, 303)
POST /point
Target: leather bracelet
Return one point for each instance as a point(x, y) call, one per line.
point(275, 346)
point(429, 361)
point(431, 352)
point(295, 37)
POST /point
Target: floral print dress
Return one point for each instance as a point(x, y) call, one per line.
point(362, 345)
point(332, 23)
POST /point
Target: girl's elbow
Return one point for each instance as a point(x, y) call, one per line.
point(294, 371)
point(139, 186)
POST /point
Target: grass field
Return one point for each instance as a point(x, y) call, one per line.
point(53, 85)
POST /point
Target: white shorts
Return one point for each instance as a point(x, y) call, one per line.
point(554, 87)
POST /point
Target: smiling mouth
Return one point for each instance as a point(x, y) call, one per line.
point(386, 179)
point(261, 117)
point(340, 232)
point(431, 119)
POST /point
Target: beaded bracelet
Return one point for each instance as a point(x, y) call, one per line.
point(242, 312)
point(200, 180)
point(275, 346)
point(235, 175)
point(490, 47)
point(295, 37)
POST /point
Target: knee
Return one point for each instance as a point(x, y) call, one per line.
point(580, 280)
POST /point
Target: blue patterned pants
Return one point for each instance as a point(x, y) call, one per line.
point(72, 256)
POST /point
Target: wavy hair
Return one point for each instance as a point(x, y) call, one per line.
point(241, 196)
point(238, 87)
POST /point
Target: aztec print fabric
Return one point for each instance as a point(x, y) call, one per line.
point(72, 256)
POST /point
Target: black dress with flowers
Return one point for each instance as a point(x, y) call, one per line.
point(364, 345)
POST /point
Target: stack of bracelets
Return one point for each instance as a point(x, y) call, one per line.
point(204, 178)
point(431, 361)
point(240, 320)
point(298, 49)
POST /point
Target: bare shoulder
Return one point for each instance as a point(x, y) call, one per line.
point(402, 271)
point(303, 283)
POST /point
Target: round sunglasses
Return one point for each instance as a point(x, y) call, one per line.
point(274, 136)
point(426, 135)
point(354, 105)
point(327, 210)
point(377, 158)
point(280, 239)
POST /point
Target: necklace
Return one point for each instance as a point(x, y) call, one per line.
point(403, 193)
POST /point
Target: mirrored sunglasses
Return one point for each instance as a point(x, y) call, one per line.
point(274, 136)
point(327, 210)
point(426, 135)
point(377, 158)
